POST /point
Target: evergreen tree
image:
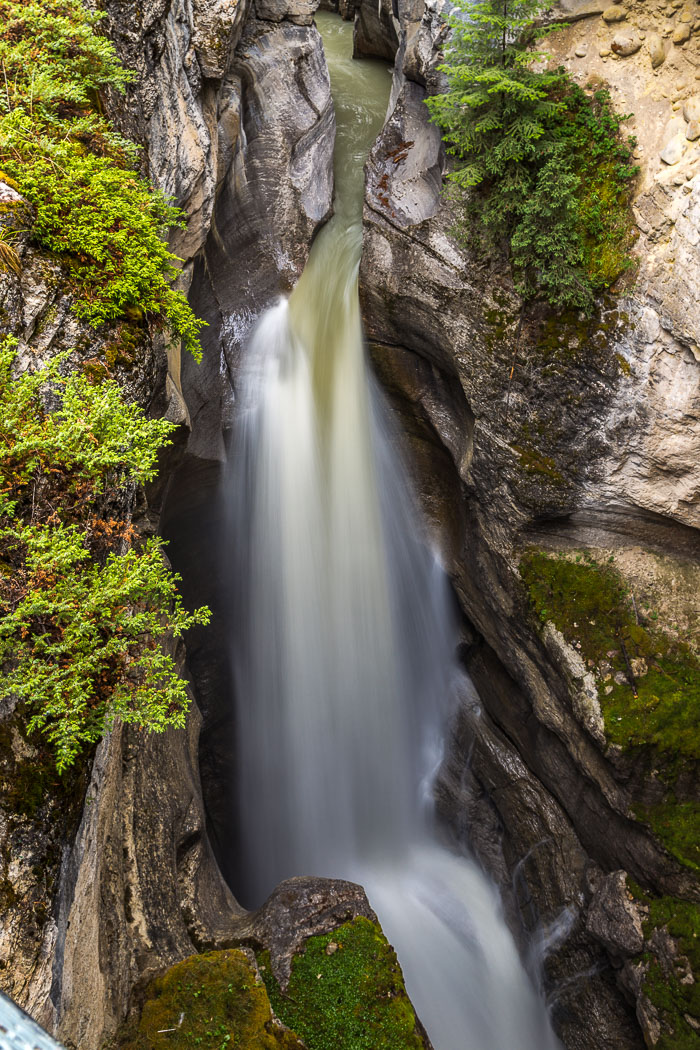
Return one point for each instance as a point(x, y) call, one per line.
point(524, 135)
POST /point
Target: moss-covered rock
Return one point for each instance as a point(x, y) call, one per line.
point(668, 971)
point(214, 1001)
point(346, 992)
point(648, 681)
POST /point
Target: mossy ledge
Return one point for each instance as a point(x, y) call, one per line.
point(648, 682)
point(214, 1001)
point(346, 992)
point(670, 967)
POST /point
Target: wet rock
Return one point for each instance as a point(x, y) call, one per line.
point(614, 13)
point(625, 43)
point(657, 51)
point(673, 151)
point(613, 918)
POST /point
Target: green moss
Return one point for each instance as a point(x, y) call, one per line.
point(624, 364)
point(677, 824)
point(667, 986)
point(208, 1002)
point(589, 604)
point(648, 682)
point(346, 992)
point(537, 463)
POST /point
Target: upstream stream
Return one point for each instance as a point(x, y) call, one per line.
point(343, 659)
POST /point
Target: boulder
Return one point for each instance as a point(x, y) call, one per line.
point(691, 108)
point(673, 150)
point(681, 33)
point(657, 51)
point(626, 43)
point(614, 13)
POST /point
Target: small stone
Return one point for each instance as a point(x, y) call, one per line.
point(608, 690)
point(673, 151)
point(691, 108)
point(687, 14)
point(692, 132)
point(581, 51)
point(681, 33)
point(331, 948)
point(604, 52)
point(626, 43)
point(615, 13)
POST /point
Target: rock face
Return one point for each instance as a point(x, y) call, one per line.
point(232, 104)
point(276, 192)
point(110, 878)
point(583, 436)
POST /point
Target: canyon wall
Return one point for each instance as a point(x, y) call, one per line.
point(566, 435)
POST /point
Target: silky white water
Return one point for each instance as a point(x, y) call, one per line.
point(343, 651)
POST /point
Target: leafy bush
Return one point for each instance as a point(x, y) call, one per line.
point(92, 208)
point(80, 611)
point(541, 165)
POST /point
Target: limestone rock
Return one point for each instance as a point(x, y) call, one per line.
point(613, 919)
point(691, 108)
point(215, 26)
point(300, 12)
point(673, 151)
point(625, 43)
point(692, 132)
point(374, 32)
point(615, 13)
point(574, 10)
point(297, 909)
point(681, 33)
point(657, 51)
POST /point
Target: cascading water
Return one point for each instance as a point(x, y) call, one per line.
point(343, 656)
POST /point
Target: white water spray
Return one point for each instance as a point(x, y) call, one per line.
point(343, 651)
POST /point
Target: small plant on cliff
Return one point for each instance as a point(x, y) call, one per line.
point(542, 169)
point(82, 604)
point(93, 209)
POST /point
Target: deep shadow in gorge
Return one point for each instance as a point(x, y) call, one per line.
point(192, 522)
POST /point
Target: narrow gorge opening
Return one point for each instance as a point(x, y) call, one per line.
point(342, 638)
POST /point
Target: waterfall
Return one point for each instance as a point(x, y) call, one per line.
point(343, 655)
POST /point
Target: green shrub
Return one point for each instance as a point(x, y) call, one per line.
point(81, 611)
point(542, 171)
point(92, 207)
